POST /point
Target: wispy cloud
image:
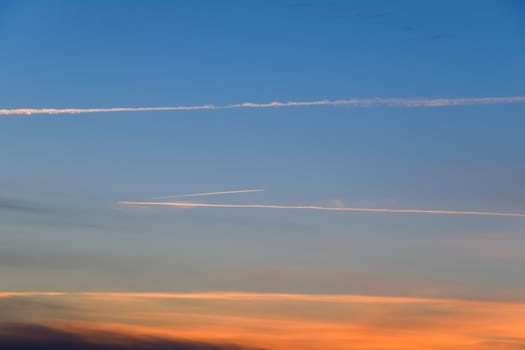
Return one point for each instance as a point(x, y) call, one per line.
point(355, 102)
point(389, 102)
point(254, 296)
point(179, 204)
point(30, 294)
point(12, 204)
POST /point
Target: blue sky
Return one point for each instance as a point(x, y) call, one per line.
point(63, 175)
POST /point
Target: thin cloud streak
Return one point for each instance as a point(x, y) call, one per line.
point(321, 208)
point(254, 296)
point(355, 102)
point(205, 194)
point(30, 294)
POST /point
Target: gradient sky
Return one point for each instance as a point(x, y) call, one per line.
point(62, 177)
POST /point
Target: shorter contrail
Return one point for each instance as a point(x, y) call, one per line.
point(323, 208)
point(356, 102)
point(205, 194)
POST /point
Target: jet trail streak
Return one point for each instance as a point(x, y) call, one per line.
point(205, 194)
point(322, 208)
point(356, 102)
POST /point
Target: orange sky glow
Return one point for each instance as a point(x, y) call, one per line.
point(284, 321)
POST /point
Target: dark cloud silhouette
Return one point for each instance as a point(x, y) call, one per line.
point(37, 337)
point(26, 205)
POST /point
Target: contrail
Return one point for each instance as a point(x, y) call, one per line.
point(390, 102)
point(205, 194)
point(356, 102)
point(30, 111)
point(323, 208)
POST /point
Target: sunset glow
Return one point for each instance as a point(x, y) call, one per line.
point(262, 175)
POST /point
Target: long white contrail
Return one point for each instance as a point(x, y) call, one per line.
point(205, 194)
point(356, 102)
point(30, 111)
point(389, 102)
point(319, 207)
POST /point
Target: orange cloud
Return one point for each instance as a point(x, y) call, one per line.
point(288, 321)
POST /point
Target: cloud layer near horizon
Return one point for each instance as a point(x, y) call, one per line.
point(355, 102)
point(256, 320)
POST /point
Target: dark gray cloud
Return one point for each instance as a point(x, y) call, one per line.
point(7, 203)
point(38, 337)
point(14, 309)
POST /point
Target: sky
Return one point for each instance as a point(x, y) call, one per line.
point(262, 174)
